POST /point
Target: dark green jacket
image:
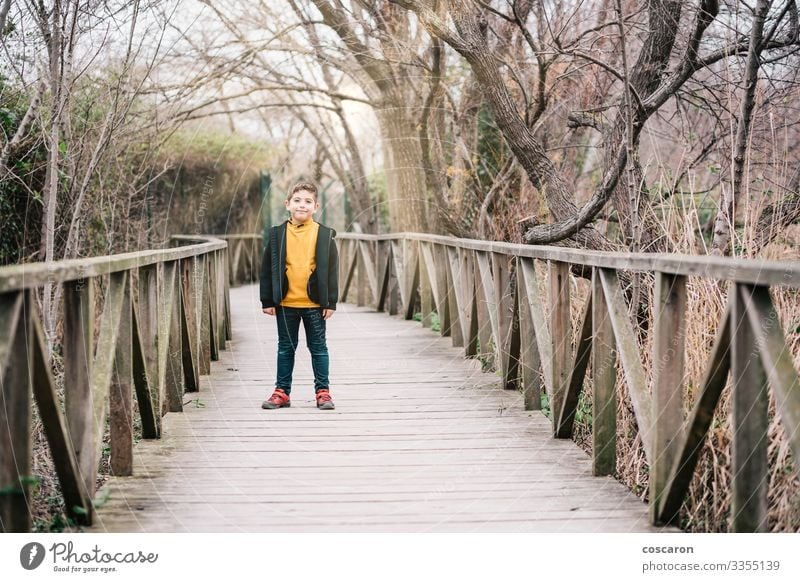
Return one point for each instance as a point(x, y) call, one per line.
point(323, 284)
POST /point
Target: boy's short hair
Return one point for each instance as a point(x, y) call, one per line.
point(305, 186)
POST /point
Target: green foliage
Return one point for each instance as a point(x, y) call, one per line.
point(492, 149)
point(20, 198)
point(213, 184)
point(436, 325)
point(545, 402)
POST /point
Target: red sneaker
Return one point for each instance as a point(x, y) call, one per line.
point(279, 399)
point(324, 401)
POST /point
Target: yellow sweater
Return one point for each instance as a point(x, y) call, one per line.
point(301, 243)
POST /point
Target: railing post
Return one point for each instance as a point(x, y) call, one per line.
point(219, 283)
point(227, 285)
point(604, 380)
point(148, 330)
point(121, 392)
point(454, 296)
point(483, 317)
point(203, 316)
point(78, 398)
point(361, 275)
point(750, 423)
point(425, 291)
point(191, 354)
point(469, 313)
point(668, 375)
point(561, 334)
point(174, 381)
point(16, 361)
point(530, 360)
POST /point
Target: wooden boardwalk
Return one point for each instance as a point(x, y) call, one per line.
point(421, 440)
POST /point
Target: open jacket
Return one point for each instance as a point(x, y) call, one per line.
point(323, 284)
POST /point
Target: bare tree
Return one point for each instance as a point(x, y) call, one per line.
point(654, 78)
point(725, 216)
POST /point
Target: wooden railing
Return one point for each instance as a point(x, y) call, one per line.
point(165, 316)
point(162, 316)
point(244, 252)
point(489, 294)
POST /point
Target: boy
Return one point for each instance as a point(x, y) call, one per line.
point(300, 282)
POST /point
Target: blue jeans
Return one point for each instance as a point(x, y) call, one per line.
point(288, 319)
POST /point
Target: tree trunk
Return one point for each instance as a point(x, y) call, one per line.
point(726, 214)
point(405, 179)
point(630, 195)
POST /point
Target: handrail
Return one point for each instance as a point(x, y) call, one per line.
point(29, 275)
point(725, 268)
point(490, 299)
point(165, 315)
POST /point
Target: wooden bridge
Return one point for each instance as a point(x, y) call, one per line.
point(422, 439)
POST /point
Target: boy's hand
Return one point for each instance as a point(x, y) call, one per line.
point(328, 313)
point(269, 310)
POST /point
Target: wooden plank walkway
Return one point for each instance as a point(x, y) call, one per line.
point(421, 440)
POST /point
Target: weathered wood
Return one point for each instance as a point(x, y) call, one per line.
point(508, 339)
point(384, 270)
point(191, 376)
point(777, 361)
point(561, 336)
point(238, 246)
point(566, 414)
point(426, 292)
point(512, 352)
point(10, 312)
point(174, 385)
point(347, 267)
point(445, 303)
point(227, 288)
point(32, 275)
point(411, 282)
point(102, 368)
point(191, 331)
point(471, 343)
point(213, 321)
point(699, 421)
point(538, 320)
point(483, 315)
point(462, 300)
point(632, 367)
point(604, 384)
point(147, 320)
point(121, 391)
point(501, 274)
point(491, 307)
point(78, 398)
point(370, 274)
point(15, 416)
point(399, 269)
point(750, 423)
point(669, 346)
point(432, 274)
point(144, 384)
point(361, 275)
point(530, 361)
point(204, 318)
point(786, 273)
point(219, 281)
point(77, 498)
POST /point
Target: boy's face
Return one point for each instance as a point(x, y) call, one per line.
point(302, 205)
